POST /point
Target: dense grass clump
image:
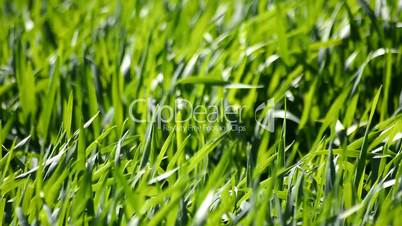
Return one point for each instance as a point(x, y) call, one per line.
point(175, 112)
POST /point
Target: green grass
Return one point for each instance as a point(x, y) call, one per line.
point(73, 155)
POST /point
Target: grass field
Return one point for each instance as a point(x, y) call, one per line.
point(201, 112)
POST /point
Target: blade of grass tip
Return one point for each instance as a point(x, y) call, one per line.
point(117, 104)
point(242, 86)
point(2, 207)
point(163, 150)
point(148, 139)
point(133, 200)
point(38, 179)
point(118, 148)
point(398, 181)
point(162, 177)
point(366, 8)
point(165, 209)
point(93, 102)
point(263, 215)
point(179, 134)
point(203, 152)
point(6, 88)
point(68, 114)
point(361, 161)
point(54, 188)
point(290, 195)
point(330, 171)
point(350, 211)
point(216, 177)
point(202, 211)
point(22, 142)
point(281, 149)
point(78, 115)
point(252, 161)
point(387, 84)
point(49, 216)
point(83, 197)
point(21, 217)
point(372, 55)
point(173, 161)
point(53, 160)
point(354, 29)
point(193, 80)
point(46, 113)
point(331, 116)
point(202, 80)
point(7, 128)
point(91, 120)
point(25, 80)
point(277, 203)
point(182, 216)
point(308, 99)
point(350, 111)
point(81, 155)
point(280, 30)
point(179, 185)
point(298, 195)
point(10, 156)
point(143, 62)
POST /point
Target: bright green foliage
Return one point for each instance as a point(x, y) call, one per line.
point(72, 155)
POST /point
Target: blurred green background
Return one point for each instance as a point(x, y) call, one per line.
point(71, 154)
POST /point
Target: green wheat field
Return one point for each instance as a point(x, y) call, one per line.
point(201, 112)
